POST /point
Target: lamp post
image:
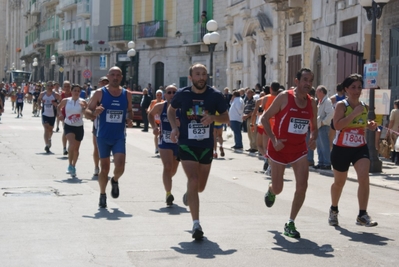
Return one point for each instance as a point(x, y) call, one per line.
point(131, 53)
point(53, 62)
point(374, 10)
point(34, 64)
point(211, 39)
point(23, 65)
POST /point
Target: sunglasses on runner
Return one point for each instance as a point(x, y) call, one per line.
point(171, 92)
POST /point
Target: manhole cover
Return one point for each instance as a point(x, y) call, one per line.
point(29, 192)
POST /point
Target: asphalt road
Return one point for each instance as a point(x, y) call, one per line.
point(49, 219)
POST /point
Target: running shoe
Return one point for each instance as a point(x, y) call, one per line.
point(221, 151)
point(366, 220)
point(185, 202)
point(70, 169)
point(115, 188)
point(73, 172)
point(215, 155)
point(18, 116)
point(265, 165)
point(198, 234)
point(96, 171)
point(22, 115)
point(333, 218)
point(156, 151)
point(269, 198)
point(47, 149)
point(103, 201)
point(290, 230)
point(65, 151)
point(169, 200)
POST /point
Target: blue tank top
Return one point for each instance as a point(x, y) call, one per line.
point(111, 122)
point(339, 98)
point(165, 128)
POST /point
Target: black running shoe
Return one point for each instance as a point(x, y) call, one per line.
point(269, 198)
point(115, 188)
point(47, 149)
point(103, 201)
point(198, 234)
point(290, 230)
point(169, 200)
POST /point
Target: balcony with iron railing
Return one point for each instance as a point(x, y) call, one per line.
point(83, 9)
point(156, 29)
point(49, 2)
point(92, 47)
point(66, 5)
point(68, 46)
point(35, 8)
point(50, 35)
point(121, 33)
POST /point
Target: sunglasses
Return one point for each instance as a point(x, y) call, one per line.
point(171, 92)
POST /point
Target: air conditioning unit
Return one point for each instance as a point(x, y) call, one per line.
point(352, 2)
point(341, 5)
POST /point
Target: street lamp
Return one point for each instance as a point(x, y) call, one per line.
point(211, 39)
point(131, 53)
point(23, 65)
point(374, 10)
point(34, 64)
point(53, 62)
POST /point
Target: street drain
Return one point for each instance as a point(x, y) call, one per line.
point(29, 192)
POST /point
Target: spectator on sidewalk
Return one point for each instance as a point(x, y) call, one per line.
point(248, 110)
point(236, 112)
point(325, 113)
point(393, 130)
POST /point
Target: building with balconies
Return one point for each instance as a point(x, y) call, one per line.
point(83, 43)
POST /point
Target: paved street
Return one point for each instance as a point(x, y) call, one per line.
point(50, 219)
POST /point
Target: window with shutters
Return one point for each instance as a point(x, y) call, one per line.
point(296, 39)
point(349, 27)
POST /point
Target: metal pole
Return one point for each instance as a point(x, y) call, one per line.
point(131, 74)
point(375, 162)
point(211, 49)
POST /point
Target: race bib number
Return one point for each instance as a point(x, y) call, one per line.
point(198, 131)
point(19, 100)
point(353, 140)
point(166, 136)
point(298, 126)
point(114, 116)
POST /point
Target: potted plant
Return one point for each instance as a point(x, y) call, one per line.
point(101, 42)
point(88, 48)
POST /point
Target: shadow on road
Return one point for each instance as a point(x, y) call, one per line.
point(301, 246)
point(367, 238)
point(72, 181)
point(115, 215)
point(173, 210)
point(204, 249)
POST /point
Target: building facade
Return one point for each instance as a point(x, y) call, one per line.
point(260, 40)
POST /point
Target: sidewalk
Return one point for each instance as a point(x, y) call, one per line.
point(388, 178)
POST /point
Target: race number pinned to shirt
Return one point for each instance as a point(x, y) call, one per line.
point(198, 131)
point(166, 136)
point(298, 126)
point(114, 116)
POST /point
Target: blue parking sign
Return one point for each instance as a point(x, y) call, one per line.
point(370, 75)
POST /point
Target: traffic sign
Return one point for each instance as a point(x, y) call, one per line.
point(87, 74)
point(370, 75)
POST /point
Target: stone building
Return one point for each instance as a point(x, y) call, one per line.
point(260, 40)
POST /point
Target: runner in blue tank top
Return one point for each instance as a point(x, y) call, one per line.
point(167, 149)
point(111, 104)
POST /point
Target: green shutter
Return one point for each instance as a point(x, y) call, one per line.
point(196, 19)
point(87, 33)
point(159, 10)
point(48, 51)
point(128, 19)
point(158, 16)
point(209, 9)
